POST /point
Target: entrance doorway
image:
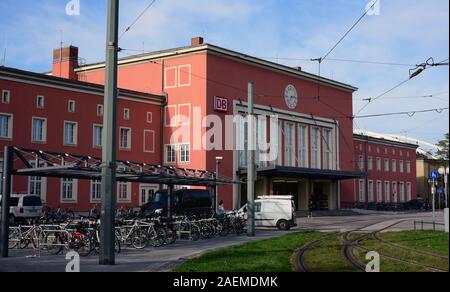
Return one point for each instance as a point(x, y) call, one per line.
point(147, 193)
point(321, 195)
point(286, 189)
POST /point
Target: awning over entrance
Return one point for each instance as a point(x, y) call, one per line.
point(295, 172)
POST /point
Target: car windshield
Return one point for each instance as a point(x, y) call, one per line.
point(32, 202)
point(160, 198)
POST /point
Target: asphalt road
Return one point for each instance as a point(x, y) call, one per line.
point(164, 258)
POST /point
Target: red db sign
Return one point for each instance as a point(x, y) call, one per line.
point(220, 104)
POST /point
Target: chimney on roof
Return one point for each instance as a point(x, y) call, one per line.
point(197, 41)
point(65, 61)
point(298, 68)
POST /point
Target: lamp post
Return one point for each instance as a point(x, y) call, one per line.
point(444, 171)
point(216, 197)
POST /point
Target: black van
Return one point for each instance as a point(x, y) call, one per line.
point(185, 202)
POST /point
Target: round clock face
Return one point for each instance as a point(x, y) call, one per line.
point(291, 96)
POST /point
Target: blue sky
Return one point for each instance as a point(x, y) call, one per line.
point(405, 32)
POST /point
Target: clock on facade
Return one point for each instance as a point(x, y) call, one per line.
point(291, 96)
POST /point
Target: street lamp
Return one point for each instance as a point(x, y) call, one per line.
point(444, 171)
point(216, 197)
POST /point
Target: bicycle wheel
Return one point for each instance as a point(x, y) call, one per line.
point(157, 237)
point(195, 233)
point(53, 243)
point(84, 246)
point(139, 239)
point(13, 238)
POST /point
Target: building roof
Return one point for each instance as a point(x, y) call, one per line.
point(223, 53)
point(382, 139)
point(68, 84)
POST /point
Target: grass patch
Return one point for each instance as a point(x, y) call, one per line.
point(271, 255)
point(327, 257)
point(434, 242)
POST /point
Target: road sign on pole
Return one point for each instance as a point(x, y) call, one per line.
point(434, 174)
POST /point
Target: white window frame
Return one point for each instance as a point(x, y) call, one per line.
point(96, 188)
point(75, 134)
point(303, 142)
point(174, 149)
point(362, 190)
point(179, 117)
point(94, 145)
point(149, 117)
point(387, 165)
point(179, 69)
point(289, 150)
point(69, 106)
point(379, 191)
point(401, 166)
point(37, 180)
point(165, 77)
point(408, 167)
point(379, 164)
point(370, 191)
point(128, 188)
point(74, 198)
point(370, 163)
point(387, 191)
point(328, 149)
point(174, 120)
point(394, 165)
point(126, 114)
point(128, 138)
point(145, 150)
point(408, 191)
point(186, 154)
point(401, 187)
point(100, 110)
point(40, 98)
point(10, 126)
point(44, 130)
point(394, 188)
point(361, 162)
point(8, 95)
point(316, 151)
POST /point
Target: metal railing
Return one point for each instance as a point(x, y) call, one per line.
point(422, 224)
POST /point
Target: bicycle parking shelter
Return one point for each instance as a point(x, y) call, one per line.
point(82, 167)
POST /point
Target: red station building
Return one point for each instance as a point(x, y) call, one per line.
point(168, 103)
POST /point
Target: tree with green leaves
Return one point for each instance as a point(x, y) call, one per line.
point(443, 148)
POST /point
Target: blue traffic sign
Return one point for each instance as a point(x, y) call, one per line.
point(434, 175)
point(440, 191)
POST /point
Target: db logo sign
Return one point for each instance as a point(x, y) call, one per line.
point(220, 104)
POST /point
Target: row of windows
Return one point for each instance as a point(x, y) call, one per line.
point(385, 150)
point(70, 138)
point(183, 150)
point(387, 192)
point(388, 165)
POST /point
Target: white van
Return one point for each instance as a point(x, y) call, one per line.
point(273, 211)
point(23, 207)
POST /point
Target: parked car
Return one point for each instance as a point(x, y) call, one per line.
point(23, 207)
point(193, 202)
point(273, 211)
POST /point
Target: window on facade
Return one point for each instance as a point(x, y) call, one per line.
point(402, 192)
point(315, 148)
point(125, 138)
point(370, 191)
point(378, 164)
point(126, 114)
point(361, 163)
point(68, 190)
point(40, 102)
point(289, 145)
point(362, 190)
point(185, 153)
point(394, 192)
point(327, 149)
point(303, 146)
point(370, 163)
point(38, 129)
point(171, 154)
point(124, 191)
point(386, 165)
point(379, 191)
point(98, 136)
point(71, 106)
point(387, 191)
point(6, 97)
point(5, 126)
point(408, 191)
point(242, 141)
point(70, 133)
point(35, 183)
point(408, 167)
point(99, 110)
point(394, 165)
point(401, 166)
point(96, 190)
point(149, 117)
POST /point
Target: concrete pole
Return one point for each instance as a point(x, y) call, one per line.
point(108, 213)
point(251, 164)
point(6, 194)
point(433, 193)
point(216, 188)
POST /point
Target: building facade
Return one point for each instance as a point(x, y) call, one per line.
point(185, 107)
point(391, 171)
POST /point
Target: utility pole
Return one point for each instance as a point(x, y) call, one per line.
point(108, 213)
point(251, 164)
